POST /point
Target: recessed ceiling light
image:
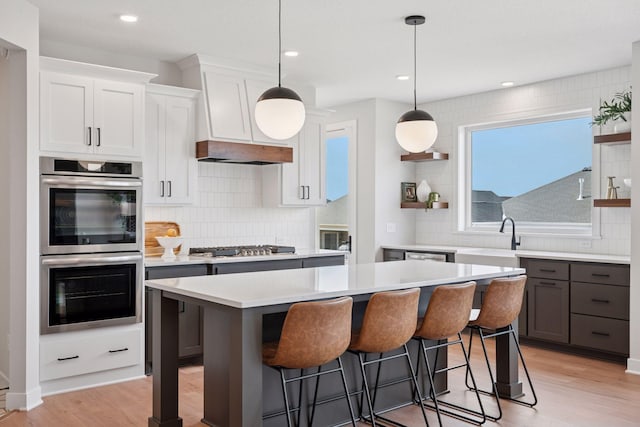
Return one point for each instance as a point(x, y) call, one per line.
point(402, 77)
point(291, 53)
point(507, 84)
point(128, 18)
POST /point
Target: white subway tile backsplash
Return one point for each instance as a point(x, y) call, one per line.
point(229, 211)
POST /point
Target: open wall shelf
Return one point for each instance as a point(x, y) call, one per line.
point(612, 203)
point(420, 205)
point(613, 138)
point(424, 157)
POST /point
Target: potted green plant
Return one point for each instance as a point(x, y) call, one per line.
point(616, 110)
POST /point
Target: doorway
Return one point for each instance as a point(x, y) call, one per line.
point(335, 222)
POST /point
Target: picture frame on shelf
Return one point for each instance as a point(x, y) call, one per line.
point(408, 192)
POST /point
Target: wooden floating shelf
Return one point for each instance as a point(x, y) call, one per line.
point(424, 157)
point(612, 203)
point(613, 138)
point(421, 205)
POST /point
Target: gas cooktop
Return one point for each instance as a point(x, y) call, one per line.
point(231, 251)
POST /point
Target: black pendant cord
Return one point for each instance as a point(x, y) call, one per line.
point(415, 76)
point(279, 42)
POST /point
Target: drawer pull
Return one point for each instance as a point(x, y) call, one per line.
point(61, 359)
point(119, 350)
point(548, 283)
point(548, 270)
point(604, 301)
point(600, 275)
point(601, 334)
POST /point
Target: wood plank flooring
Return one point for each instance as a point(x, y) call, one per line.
point(573, 392)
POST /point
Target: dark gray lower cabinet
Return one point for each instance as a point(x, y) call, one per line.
point(249, 266)
point(324, 261)
point(579, 304)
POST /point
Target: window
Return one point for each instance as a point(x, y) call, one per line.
point(536, 171)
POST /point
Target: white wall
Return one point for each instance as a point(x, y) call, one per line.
point(168, 72)
point(19, 27)
point(633, 364)
point(4, 222)
point(549, 97)
point(229, 211)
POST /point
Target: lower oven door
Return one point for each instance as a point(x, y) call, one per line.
point(90, 290)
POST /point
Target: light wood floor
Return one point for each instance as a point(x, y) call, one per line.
point(573, 391)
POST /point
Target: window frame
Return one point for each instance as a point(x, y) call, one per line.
point(555, 229)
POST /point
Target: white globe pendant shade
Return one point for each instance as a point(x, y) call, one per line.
point(416, 131)
point(280, 113)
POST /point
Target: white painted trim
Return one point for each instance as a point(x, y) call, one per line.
point(4, 380)
point(24, 401)
point(92, 385)
point(633, 366)
point(172, 90)
point(94, 71)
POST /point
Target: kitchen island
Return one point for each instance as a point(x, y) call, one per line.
point(237, 308)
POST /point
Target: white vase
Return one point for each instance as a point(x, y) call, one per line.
point(622, 126)
point(423, 190)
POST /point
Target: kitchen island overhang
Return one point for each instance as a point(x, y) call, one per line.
point(235, 306)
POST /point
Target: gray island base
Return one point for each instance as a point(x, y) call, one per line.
point(241, 311)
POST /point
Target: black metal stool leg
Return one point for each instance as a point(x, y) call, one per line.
point(466, 376)
point(493, 381)
point(366, 391)
point(432, 386)
point(315, 398)
point(526, 371)
point(286, 398)
point(346, 393)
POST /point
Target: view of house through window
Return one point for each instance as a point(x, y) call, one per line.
point(538, 173)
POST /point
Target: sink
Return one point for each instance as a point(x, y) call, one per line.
point(497, 257)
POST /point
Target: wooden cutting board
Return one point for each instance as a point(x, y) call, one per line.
point(157, 228)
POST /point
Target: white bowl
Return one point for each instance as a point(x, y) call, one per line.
point(627, 182)
point(169, 244)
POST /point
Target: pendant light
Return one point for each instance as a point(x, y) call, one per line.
point(416, 130)
point(279, 111)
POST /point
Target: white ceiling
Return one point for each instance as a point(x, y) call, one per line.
point(353, 49)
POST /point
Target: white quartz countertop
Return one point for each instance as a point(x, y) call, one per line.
point(189, 259)
point(520, 253)
point(259, 289)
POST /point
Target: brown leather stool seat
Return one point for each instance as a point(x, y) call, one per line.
point(500, 307)
point(314, 334)
point(446, 316)
point(388, 324)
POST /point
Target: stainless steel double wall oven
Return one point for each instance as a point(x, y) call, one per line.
point(91, 242)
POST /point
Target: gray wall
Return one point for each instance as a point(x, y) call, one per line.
point(4, 223)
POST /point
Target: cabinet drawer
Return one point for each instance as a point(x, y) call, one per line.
point(600, 300)
point(603, 334)
point(608, 274)
point(546, 269)
point(393, 255)
point(62, 357)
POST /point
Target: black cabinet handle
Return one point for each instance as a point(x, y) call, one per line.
point(99, 138)
point(89, 141)
point(548, 270)
point(599, 275)
point(169, 189)
point(161, 188)
point(60, 359)
point(605, 301)
point(120, 350)
point(601, 334)
point(183, 307)
point(548, 283)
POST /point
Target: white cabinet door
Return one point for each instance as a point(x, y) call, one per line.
point(312, 165)
point(180, 157)
point(118, 118)
point(154, 153)
point(255, 88)
point(170, 165)
point(66, 113)
point(226, 102)
point(291, 180)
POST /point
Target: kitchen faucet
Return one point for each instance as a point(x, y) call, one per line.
point(513, 232)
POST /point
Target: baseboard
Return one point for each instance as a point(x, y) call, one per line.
point(633, 366)
point(24, 401)
point(4, 380)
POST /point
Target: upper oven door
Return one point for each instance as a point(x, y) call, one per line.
point(84, 214)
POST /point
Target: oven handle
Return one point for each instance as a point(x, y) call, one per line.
point(91, 260)
point(91, 182)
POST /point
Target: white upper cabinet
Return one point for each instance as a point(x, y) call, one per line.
point(226, 99)
point(170, 166)
point(82, 114)
point(301, 183)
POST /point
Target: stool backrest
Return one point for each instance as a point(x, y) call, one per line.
point(501, 303)
point(448, 311)
point(314, 333)
point(389, 321)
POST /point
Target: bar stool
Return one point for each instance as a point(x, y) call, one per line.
point(500, 307)
point(388, 324)
point(446, 316)
point(313, 334)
